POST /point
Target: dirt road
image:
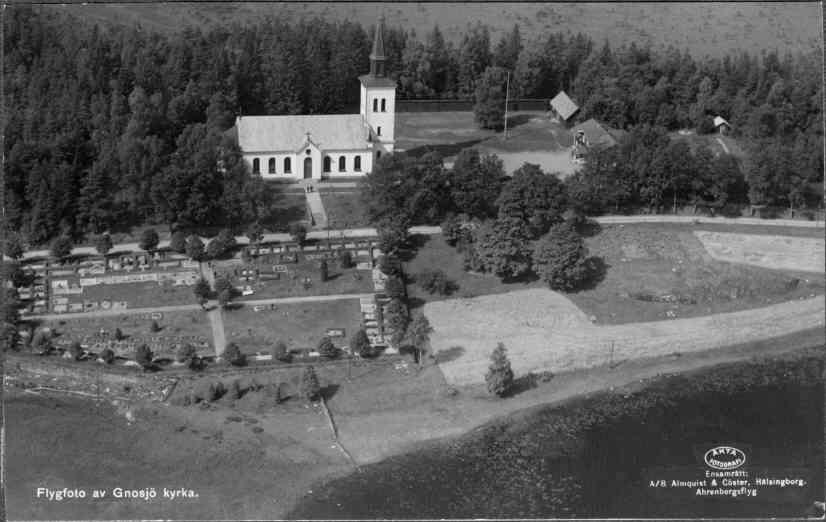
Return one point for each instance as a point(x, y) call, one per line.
point(543, 330)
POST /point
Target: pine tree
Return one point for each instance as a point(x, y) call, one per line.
point(500, 375)
point(310, 388)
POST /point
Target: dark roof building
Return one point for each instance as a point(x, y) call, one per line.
point(591, 134)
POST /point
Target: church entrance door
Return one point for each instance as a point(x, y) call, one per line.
point(308, 168)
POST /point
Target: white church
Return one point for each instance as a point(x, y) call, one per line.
point(325, 146)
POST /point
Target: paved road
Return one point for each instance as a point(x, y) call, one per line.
point(610, 220)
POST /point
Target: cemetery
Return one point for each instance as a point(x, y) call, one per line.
point(114, 283)
point(98, 333)
point(290, 270)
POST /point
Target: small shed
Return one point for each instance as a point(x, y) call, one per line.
point(563, 106)
point(591, 134)
point(721, 125)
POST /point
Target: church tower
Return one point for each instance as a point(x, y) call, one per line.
point(378, 98)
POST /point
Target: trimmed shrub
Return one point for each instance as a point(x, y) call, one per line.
point(107, 355)
point(177, 243)
point(75, 350)
point(345, 259)
point(500, 375)
point(234, 356)
point(144, 356)
point(234, 390)
point(324, 272)
point(360, 344)
point(326, 348)
point(280, 352)
point(298, 232)
point(310, 387)
point(394, 287)
point(435, 282)
point(185, 353)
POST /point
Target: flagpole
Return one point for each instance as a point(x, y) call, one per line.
point(507, 93)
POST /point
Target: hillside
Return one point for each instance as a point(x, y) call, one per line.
point(703, 28)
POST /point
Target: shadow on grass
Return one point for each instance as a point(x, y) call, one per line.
point(450, 354)
point(445, 149)
point(329, 391)
point(523, 384)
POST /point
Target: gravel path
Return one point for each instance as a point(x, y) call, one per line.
point(543, 330)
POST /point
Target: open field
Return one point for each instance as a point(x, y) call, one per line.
point(299, 325)
point(344, 209)
point(544, 331)
point(774, 252)
point(702, 29)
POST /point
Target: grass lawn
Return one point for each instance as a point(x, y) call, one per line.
point(344, 209)
point(136, 327)
point(300, 325)
point(289, 206)
point(435, 253)
point(658, 260)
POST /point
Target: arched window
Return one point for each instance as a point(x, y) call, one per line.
point(383, 105)
point(375, 104)
point(378, 130)
point(288, 168)
point(256, 166)
point(342, 163)
point(357, 163)
point(327, 164)
point(271, 166)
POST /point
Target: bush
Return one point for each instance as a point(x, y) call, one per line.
point(310, 388)
point(324, 273)
point(75, 350)
point(298, 232)
point(360, 344)
point(41, 342)
point(234, 390)
point(394, 287)
point(345, 259)
point(177, 243)
point(154, 326)
point(208, 391)
point(326, 348)
point(61, 247)
point(118, 334)
point(144, 356)
point(185, 353)
point(107, 355)
point(234, 356)
point(390, 265)
point(280, 352)
point(731, 210)
point(435, 282)
point(452, 229)
point(103, 243)
point(149, 240)
point(194, 248)
point(222, 244)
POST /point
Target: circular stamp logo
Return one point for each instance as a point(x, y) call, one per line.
point(725, 458)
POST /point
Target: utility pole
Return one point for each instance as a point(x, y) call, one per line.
point(507, 96)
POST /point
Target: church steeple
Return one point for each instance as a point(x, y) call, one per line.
point(377, 56)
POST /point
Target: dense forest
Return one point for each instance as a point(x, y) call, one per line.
point(110, 128)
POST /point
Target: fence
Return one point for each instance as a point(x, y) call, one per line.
point(523, 104)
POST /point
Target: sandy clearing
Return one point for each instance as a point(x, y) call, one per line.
point(543, 330)
point(774, 252)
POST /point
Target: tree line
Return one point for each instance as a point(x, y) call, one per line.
point(115, 127)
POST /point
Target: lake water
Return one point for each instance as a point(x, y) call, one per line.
point(601, 456)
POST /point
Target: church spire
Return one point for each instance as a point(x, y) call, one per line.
point(377, 56)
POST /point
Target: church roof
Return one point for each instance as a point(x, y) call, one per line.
point(370, 80)
point(287, 133)
point(564, 105)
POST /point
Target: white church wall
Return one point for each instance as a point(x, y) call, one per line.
point(280, 173)
point(349, 160)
